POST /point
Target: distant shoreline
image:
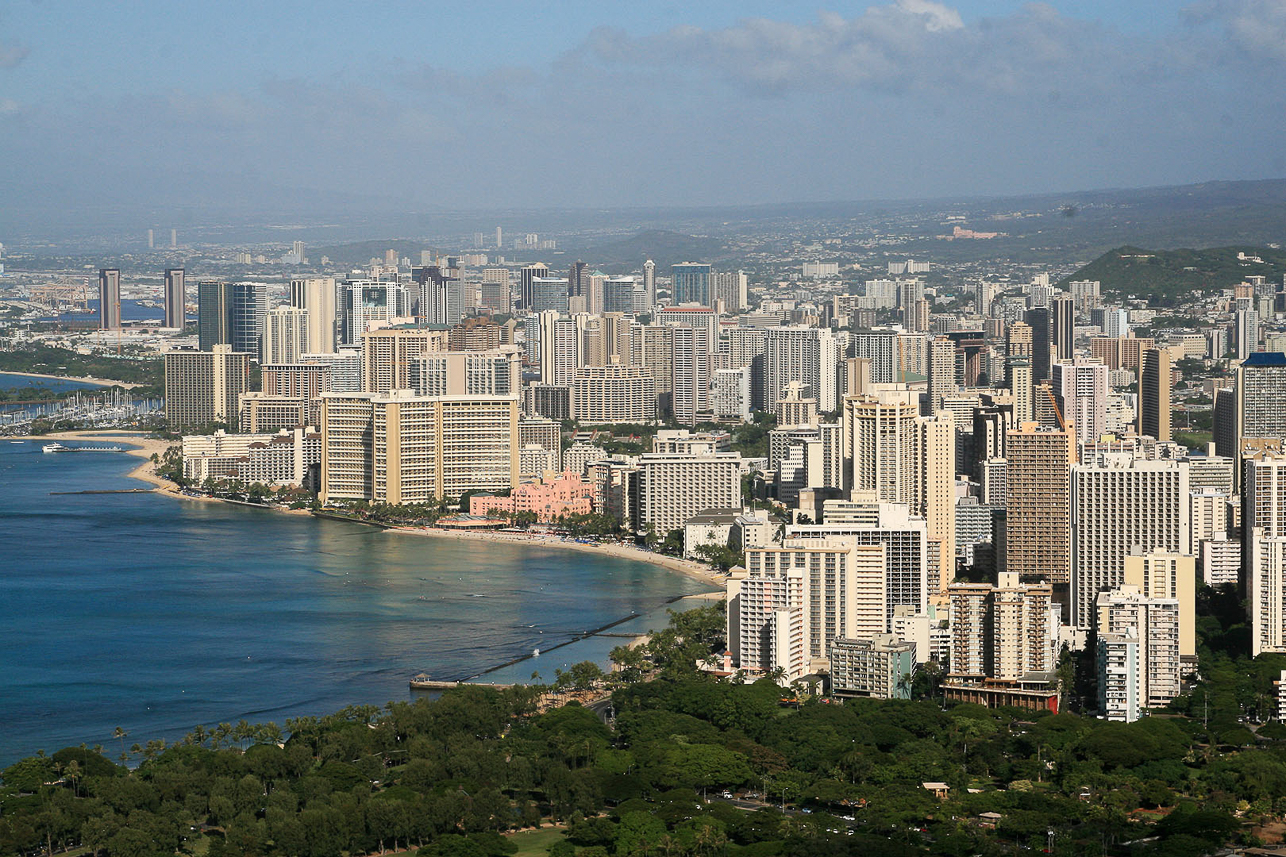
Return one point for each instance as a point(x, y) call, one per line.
point(83, 379)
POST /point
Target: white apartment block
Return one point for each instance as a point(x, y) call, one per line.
point(879, 667)
point(674, 488)
point(766, 623)
point(1220, 559)
point(1154, 623)
point(281, 459)
point(843, 596)
point(1266, 592)
point(730, 393)
point(285, 335)
point(613, 394)
point(809, 355)
point(1121, 505)
point(495, 372)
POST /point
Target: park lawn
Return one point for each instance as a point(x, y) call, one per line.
point(536, 843)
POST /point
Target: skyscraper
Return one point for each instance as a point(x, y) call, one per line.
point(175, 298)
point(109, 299)
point(942, 372)
point(285, 336)
point(202, 387)
point(1260, 399)
point(1038, 537)
point(649, 282)
point(214, 314)
point(526, 275)
point(1081, 389)
point(691, 373)
point(578, 280)
point(1154, 394)
point(1063, 326)
point(806, 354)
point(691, 283)
point(1038, 319)
point(1122, 504)
point(249, 309)
point(317, 295)
point(364, 301)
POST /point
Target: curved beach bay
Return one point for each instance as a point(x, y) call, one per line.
point(156, 614)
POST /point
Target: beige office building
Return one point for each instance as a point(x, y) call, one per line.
point(467, 373)
point(317, 296)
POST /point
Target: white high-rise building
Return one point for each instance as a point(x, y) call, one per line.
point(559, 341)
point(730, 393)
point(690, 384)
point(1127, 619)
point(809, 355)
point(674, 488)
point(1122, 505)
point(285, 336)
point(363, 302)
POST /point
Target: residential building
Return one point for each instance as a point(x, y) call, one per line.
point(317, 295)
point(1038, 504)
point(613, 394)
point(285, 338)
point(1152, 625)
point(879, 667)
point(673, 488)
point(389, 351)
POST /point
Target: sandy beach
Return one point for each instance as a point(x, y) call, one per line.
point(84, 379)
point(692, 569)
point(144, 447)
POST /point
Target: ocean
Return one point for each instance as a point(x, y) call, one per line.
point(156, 614)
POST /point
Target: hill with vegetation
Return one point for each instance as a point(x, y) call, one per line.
point(688, 765)
point(1167, 277)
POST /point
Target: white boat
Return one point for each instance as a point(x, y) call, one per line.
point(55, 447)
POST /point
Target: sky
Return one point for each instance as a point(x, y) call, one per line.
point(151, 104)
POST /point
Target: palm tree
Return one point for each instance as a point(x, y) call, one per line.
point(120, 734)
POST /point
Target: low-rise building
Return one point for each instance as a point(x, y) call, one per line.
point(878, 667)
point(549, 498)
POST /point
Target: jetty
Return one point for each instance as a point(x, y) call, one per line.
point(424, 682)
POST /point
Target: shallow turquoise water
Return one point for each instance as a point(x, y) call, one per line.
point(157, 614)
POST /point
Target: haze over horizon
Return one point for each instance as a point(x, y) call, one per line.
point(325, 106)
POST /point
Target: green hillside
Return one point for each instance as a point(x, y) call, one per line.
point(1167, 277)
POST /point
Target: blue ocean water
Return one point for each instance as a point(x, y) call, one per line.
point(156, 614)
point(10, 381)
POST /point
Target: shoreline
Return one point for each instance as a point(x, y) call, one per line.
point(83, 379)
point(142, 447)
point(683, 566)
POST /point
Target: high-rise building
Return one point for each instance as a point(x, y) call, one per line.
point(905, 549)
point(1003, 632)
point(548, 294)
point(942, 372)
point(652, 347)
point(578, 280)
point(466, 373)
point(1038, 536)
point(728, 288)
point(1039, 321)
point(1260, 399)
point(690, 284)
point(441, 295)
point(559, 343)
point(1138, 652)
point(249, 308)
point(1154, 394)
point(1062, 326)
point(883, 349)
point(843, 597)
point(1122, 505)
point(496, 296)
point(214, 314)
point(317, 295)
point(613, 393)
point(649, 283)
point(808, 355)
point(285, 337)
point(109, 299)
point(363, 302)
point(1169, 575)
point(387, 354)
point(403, 448)
point(795, 408)
point(618, 295)
point(203, 387)
point(1265, 572)
point(526, 275)
point(690, 373)
point(1245, 332)
point(1081, 388)
point(674, 488)
point(175, 298)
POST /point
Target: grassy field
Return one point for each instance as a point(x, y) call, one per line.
point(536, 843)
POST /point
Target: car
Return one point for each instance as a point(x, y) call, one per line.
point(726, 795)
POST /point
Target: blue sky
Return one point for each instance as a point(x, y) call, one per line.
point(507, 104)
